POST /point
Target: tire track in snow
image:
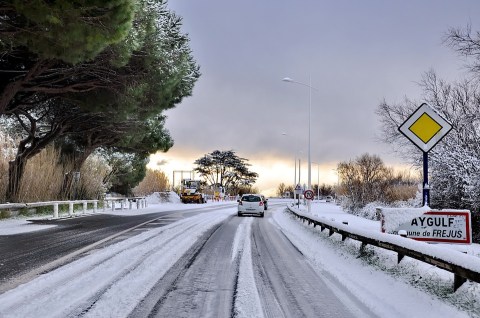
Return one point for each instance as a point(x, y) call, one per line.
point(246, 298)
point(99, 275)
point(150, 305)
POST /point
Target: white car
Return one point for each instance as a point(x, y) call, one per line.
point(251, 204)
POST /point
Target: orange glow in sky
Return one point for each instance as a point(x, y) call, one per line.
point(272, 170)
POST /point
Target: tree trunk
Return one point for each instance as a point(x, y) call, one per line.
point(15, 174)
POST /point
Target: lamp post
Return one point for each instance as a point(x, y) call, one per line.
point(309, 85)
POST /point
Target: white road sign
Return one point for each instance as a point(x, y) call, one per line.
point(440, 227)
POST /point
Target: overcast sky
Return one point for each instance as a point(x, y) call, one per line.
point(357, 53)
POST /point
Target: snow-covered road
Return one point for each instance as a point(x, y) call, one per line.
point(110, 282)
point(218, 265)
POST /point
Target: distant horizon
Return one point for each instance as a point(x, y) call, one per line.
point(272, 172)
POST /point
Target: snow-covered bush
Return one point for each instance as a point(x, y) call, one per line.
point(369, 211)
point(92, 173)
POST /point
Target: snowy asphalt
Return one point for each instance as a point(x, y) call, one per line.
point(215, 264)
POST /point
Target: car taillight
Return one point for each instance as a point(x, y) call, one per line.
point(261, 203)
point(240, 203)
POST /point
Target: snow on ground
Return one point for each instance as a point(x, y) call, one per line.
point(126, 271)
point(20, 225)
point(390, 289)
point(247, 302)
point(411, 288)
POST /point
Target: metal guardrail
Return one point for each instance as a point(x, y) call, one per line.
point(461, 265)
point(140, 203)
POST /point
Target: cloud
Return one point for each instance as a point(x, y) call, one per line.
point(356, 53)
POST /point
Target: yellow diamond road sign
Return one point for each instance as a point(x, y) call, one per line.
point(425, 127)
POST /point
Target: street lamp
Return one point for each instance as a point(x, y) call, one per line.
point(289, 80)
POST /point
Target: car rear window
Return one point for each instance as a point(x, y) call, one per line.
point(251, 198)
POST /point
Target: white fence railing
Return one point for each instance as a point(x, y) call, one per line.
point(140, 203)
point(110, 203)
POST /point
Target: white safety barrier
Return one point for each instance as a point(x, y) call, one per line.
point(141, 203)
point(111, 203)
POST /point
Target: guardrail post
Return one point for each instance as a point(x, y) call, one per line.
point(70, 208)
point(122, 203)
point(129, 204)
point(84, 207)
point(146, 203)
point(457, 282)
point(138, 204)
point(95, 206)
point(55, 210)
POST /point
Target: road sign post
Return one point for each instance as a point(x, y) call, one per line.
point(425, 128)
point(426, 187)
point(298, 191)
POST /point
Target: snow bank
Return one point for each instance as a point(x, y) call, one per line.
point(393, 217)
point(163, 197)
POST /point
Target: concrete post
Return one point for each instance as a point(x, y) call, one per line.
point(55, 210)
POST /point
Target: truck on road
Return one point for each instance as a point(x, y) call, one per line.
point(191, 192)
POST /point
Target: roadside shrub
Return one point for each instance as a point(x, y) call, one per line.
point(154, 181)
point(43, 177)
